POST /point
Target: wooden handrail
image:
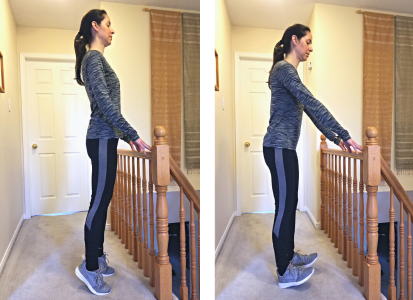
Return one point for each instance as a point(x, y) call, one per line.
point(393, 182)
point(135, 154)
point(338, 152)
point(183, 182)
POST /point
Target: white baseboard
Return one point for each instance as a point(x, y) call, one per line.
point(317, 225)
point(6, 255)
point(224, 236)
point(108, 227)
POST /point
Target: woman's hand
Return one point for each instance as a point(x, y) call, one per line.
point(139, 145)
point(346, 146)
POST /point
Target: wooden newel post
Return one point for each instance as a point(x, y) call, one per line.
point(161, 179)
point(372, 178)
point(323, 145)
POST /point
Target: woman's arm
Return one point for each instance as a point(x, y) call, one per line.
point(289, 78)
point(324, 129)
point(95, 72)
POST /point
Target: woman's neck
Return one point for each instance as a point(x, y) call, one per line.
point(96, 45)
point(293, 59)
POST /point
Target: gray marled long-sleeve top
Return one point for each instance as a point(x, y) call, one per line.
point(289, 97)
point(103, 89)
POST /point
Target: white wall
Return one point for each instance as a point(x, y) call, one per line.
point(258, 40)
point(11, 165)
point(224, 125)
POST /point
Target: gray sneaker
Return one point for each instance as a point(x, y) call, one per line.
point(103, 264)
point(294, 276)
point(93, 280)
point(303, 260)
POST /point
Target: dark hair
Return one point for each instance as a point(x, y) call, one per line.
point(284, 45)
point(84, 37)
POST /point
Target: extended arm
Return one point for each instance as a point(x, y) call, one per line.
point(314, 108)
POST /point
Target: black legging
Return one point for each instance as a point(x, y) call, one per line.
point(102, 153)
point(283, 165)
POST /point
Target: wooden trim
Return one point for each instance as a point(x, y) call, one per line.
point(2, 87)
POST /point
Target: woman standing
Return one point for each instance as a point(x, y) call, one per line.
point(289, 98)
point(106, 126)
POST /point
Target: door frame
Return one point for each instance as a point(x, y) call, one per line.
point(238, 56)
point(25, 57)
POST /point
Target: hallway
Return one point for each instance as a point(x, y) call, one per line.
point(245, 268)
point(46, 252)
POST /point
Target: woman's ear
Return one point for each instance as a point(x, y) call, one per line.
point(95, 26)
point(294, 39)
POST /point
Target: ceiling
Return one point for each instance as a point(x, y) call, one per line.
point(279, 14)
point(66, 14)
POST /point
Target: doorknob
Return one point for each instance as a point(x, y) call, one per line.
point(34, 146)
point(247, 144)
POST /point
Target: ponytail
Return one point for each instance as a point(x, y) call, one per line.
point(84, 38)
point(284, 45)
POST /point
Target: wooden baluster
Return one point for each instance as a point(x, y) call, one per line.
point(140, 227)
point(193, 254)
point(327, 195)
point(392, 284)
point(115, 204)
point(409, 257)
point(134, 213)
point(119, 225)
point(337, 213)
point(331, 197)
point(129, 210)
point(161, 178)
point(151, 227)
point(323, 145)
point(402, 251)
point(361, 218)
point(372, 177)
point(145, 256)
point(344, 238)
point(340, 208)
point(355, 254)
point(183, 291)
point(127, 201)
point(122, 202)
point(349, 218)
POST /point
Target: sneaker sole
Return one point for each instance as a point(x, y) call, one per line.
point(104, 275)
point(80, 276)
point(289, 284)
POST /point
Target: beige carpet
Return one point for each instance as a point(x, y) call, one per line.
point(44, 257)
point(245, 268)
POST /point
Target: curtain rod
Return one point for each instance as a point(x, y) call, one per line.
point(360, 12)
point(145, 9)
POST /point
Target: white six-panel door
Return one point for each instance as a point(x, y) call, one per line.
point(56, 132)
point(254, 113)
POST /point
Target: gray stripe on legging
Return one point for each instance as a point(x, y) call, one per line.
point(102, 159)
point(282, 189)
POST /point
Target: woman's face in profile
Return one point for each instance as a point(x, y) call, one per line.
point(304, 46)
point(105, 31)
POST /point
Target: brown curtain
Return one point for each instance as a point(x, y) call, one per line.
point(404, 95)
point(378, 78)
point(166, 77)
point(190, 30)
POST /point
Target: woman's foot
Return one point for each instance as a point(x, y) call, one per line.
point(93, 280)
point(294, 276)
point(303, 260)
point(103, 264)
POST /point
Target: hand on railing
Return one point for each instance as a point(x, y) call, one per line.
point(346, 146)
point(139, 145)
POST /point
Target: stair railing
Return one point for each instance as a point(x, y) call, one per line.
point(343, 176)
point(132, 214)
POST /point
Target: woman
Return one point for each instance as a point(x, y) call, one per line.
point(289, 98)
point(106, 126)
